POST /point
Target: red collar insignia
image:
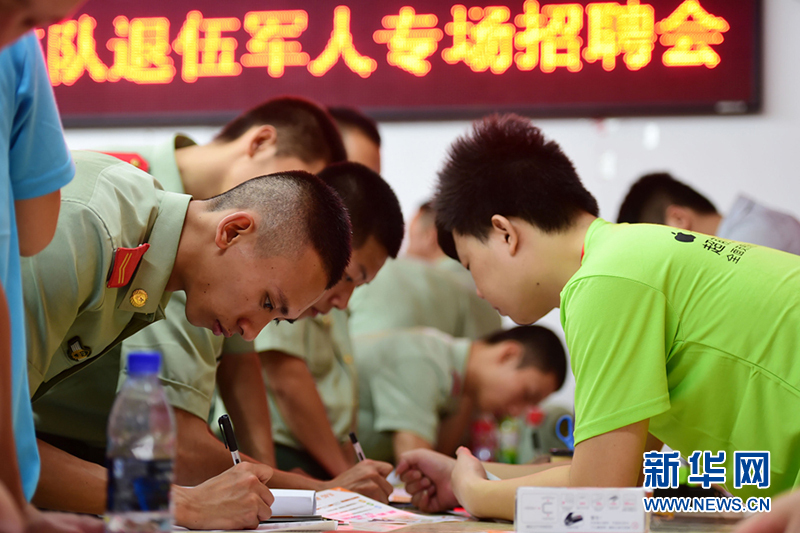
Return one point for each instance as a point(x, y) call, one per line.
point(125, 262)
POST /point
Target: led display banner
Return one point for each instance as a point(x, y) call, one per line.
point(129, 62)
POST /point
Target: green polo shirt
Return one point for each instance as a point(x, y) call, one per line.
point(407, 293)
point(323, 342)
point(695, 333)
point(408, 381)
point(108, 205)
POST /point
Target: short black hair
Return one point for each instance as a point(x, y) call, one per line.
point(349, 117)
point(373, 206)
point(297, 209)
point(541, 349)
point(505, 166)
point(305, 129)
point(426, 214)
point(649, 197)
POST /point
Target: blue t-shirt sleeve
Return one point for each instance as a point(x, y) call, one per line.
point(39, 161)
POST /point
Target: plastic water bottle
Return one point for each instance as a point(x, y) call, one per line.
point(508, 437)
point(484, 438)
point(141, 452)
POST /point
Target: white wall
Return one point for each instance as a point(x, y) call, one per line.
point(721, 156)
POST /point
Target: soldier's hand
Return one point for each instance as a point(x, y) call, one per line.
point(367, 478)
point(783, 518)
point(236, 499)
point(427, 475)
point(37, 521)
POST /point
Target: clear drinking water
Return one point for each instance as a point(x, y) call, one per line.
point(141, 452)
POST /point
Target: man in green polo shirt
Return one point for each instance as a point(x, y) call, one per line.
point(414, 382)
point(688, 338)
point(123, 245)
point(308, 366)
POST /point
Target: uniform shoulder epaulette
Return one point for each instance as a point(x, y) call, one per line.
point(131, 157)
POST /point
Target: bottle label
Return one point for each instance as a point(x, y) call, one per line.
point(135, 485)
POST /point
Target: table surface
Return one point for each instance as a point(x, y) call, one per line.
point(682, 524)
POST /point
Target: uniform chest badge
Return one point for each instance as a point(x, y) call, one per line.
point(76, 350)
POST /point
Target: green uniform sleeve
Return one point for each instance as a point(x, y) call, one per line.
point(287, 338)
point(615, 329)
point(405, 396)
point(189, 357)
point(64, 280)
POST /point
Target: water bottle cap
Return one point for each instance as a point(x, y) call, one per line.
point(144, 363)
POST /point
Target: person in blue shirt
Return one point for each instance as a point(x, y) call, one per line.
point(34, 165)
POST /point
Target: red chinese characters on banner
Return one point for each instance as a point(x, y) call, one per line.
point(341, 45)
point(690, 31)
point(272, 41)
point(485, 39)
point(72, 50)
point(205, 51)
point(482, 38)
point(141, 51)
point(550, 38)
point(411, 39)
point(615, 29)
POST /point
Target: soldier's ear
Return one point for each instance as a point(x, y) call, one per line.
point(262, 139)
point(232, 227)
point(510, 352)
point(679, 216)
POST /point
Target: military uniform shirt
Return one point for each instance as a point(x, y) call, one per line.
point(408, 293)
point(80, 409)
point(408, 381)
point(160, 159)
point(108, 205)
point(323, 342)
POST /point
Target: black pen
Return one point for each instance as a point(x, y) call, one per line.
point(229, 438)
point(357, 447)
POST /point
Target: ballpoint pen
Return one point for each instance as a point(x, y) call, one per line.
point(229, 438)
point(357, 447)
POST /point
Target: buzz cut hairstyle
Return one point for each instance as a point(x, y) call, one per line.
point(505, 166)
point(305, 129)
point(427, 215)
point(372, 204)
point(296, 209)
point(541, 348)
point(648, 199)
point(349, 117)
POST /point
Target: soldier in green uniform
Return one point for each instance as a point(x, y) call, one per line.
point(308, 366)
point(409, 293)
point(426, 288)
point(361, 137)
point(280, 134)
point(264, 250)
point(423, 244)
point(414, 382)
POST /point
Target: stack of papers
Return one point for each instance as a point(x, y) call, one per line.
point(356, 512)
